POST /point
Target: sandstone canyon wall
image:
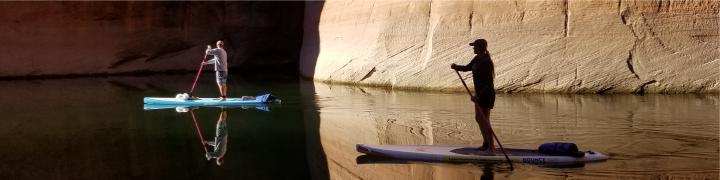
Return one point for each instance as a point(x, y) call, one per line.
point(81, 38)
point(604, 46)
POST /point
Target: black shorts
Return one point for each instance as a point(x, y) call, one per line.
point(486, 100)
point(221, 77)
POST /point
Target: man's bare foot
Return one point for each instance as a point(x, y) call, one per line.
point(491, 149)
point(485, 151)
point(480, 151)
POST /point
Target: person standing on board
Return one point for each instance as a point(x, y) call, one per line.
point(221, 67)
point(483, 71)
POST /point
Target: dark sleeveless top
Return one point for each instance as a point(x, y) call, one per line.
point(482, 69)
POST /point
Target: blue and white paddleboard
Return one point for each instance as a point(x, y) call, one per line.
point(465, 154)
point(261, 106)
point(265, 98)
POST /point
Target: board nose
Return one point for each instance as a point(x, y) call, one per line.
point(362, 149)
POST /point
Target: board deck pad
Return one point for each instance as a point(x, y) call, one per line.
point(510, 152)
point(435, 153)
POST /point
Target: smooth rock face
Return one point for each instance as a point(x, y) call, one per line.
point(61, 38)
point(636, 46)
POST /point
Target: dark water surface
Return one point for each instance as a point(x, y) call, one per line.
point(96, 128)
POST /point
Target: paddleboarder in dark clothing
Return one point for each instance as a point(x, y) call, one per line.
point(483, 71)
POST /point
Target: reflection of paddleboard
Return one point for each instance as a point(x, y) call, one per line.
point(467, 154)
point(265, 98)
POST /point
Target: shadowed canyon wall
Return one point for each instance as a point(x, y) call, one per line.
point(79, 38)
point(609, 46)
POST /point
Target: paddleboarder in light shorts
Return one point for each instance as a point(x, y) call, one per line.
point(219, 146)
point(483, 71)
point(221, 67)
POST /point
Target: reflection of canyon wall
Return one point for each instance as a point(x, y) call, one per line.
point(349, 115)
point(89, 137)
point(614, 46)
point(59, 38)
point(613, 124)
point(315, 154)
point(95, 128)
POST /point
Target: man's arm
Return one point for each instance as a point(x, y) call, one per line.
point(467, 67)
point(212, 52)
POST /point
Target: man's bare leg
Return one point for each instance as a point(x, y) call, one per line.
point(485, 130)
point(223, 91)
point(488, 129)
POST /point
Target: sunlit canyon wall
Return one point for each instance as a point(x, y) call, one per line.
point(609, 46)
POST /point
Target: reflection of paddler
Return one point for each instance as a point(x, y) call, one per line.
point(219, 146)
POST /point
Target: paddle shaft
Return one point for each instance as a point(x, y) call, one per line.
point(199, 133)
point(493, 132)
point(202, 64)
point(463, 82)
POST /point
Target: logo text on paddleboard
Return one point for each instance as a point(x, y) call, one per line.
point(534, 160)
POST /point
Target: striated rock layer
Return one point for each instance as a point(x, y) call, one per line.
point(609, 46)
point(62, 38)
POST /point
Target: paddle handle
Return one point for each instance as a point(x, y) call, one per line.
point(492, 131)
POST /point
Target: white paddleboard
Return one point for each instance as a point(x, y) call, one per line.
point(466, 154)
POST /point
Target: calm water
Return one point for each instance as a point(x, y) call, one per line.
point(96, 128)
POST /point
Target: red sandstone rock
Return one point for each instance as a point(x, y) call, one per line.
point(60, 38)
